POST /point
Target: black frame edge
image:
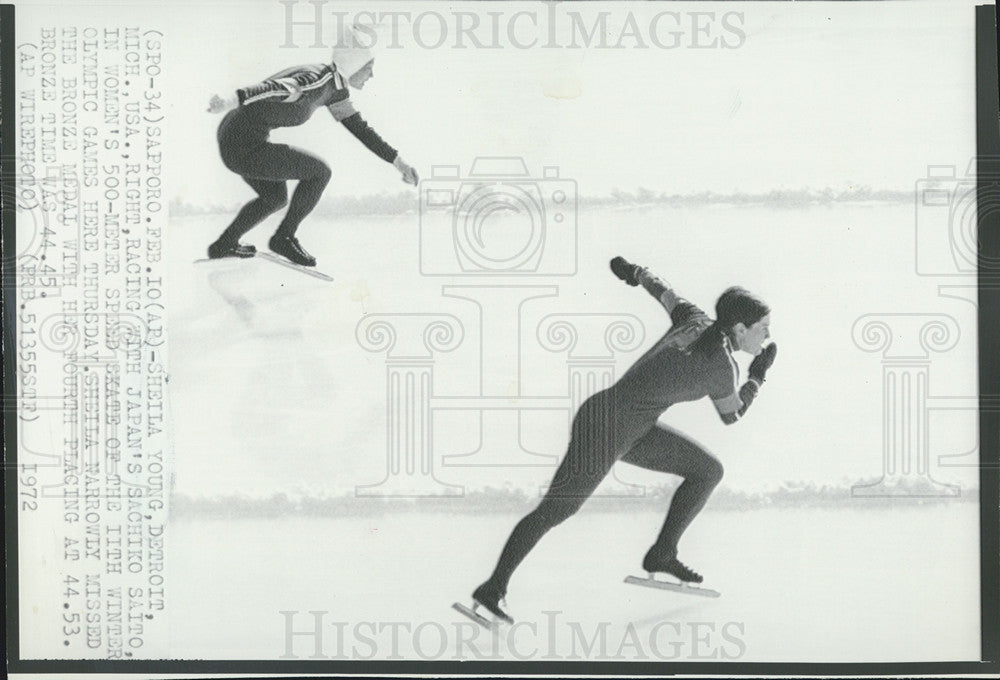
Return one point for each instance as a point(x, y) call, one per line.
point(988, 161)
point(8, 217)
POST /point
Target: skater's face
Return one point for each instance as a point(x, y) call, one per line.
point(359, 79)
point(751, 339)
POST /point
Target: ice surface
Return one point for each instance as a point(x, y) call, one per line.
point(271, 390)
point(271, 393)
point(798, 585)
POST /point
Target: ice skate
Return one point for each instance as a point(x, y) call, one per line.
point(293, 256)
point(289, 247)
point(672, 568)
point(489, 598)
point(655, 562)
point(221, 249)
point(271, 257)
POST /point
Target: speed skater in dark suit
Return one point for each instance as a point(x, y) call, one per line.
point(694, 359)
point(289, 98)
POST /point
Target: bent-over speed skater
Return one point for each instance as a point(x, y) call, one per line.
point(694, 359)
point(289, 98)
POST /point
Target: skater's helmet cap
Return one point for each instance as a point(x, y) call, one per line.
point(737, 305)
point(350, 54)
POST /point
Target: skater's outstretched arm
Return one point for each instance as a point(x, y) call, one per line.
point(285, 87)
point(636, 275)
point(344, 112)
point(660, 290)
point(734, 405)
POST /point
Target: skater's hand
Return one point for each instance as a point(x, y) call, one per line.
point(406, 170)
point(625, 270)
point(217, 104)
point(762, 362)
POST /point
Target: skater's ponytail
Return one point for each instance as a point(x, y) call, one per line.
point(734, 306)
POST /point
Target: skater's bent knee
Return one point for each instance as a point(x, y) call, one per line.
point(275, 203)
point(323, 173)
point(553, 511)
point(714, 471)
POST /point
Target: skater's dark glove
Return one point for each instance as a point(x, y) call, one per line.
point(625, 270)
point(762, 362)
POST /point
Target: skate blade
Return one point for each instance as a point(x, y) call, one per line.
point(489, 624)
point(676, 587)
point(230, 259)
point(308, 271)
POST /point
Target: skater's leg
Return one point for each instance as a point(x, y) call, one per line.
point(271, 197)
point(664, 449)
point(565, 496)
point(270, 163)
point(304, 199)
point(588, 460)
point(313, 175)
point(288, 162)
